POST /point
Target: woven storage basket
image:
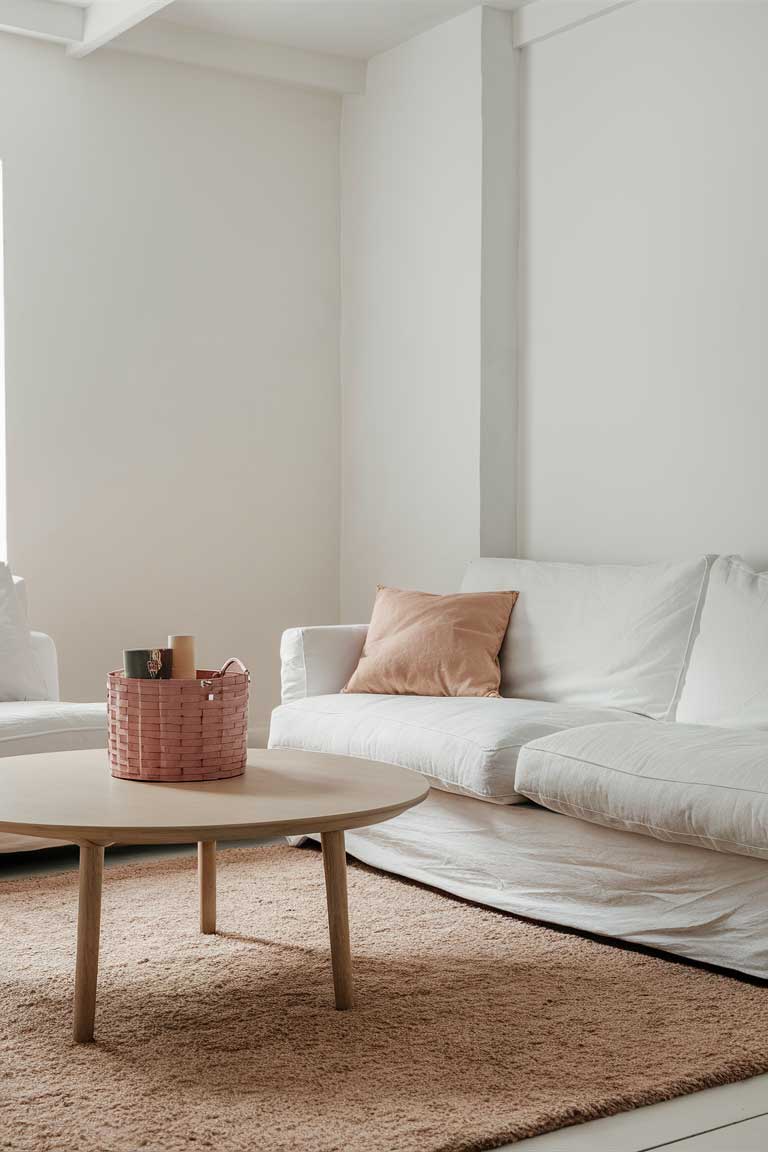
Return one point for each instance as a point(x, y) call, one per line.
point(179, 729)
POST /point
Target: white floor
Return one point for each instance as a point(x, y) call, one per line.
point(732, 1118)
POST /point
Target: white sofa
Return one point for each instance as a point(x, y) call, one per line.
point(50, 725)
point(619, 786)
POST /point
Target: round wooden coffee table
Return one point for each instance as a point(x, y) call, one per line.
point(72, 796)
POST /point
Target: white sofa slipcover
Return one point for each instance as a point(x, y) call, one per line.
point(710, 906)
point(585, 644)
point(582, 640)
point(687, 783)
point(462, 744)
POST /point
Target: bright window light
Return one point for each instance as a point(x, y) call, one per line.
point(3, 488)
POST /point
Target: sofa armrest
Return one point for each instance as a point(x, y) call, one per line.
point(319, 661)
point(44, 652)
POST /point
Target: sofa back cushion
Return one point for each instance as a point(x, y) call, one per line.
point(599, 635)
point(727, 678)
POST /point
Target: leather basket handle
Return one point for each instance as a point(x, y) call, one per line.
point(239, 667)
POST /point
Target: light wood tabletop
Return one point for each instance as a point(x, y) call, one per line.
point(72, 796)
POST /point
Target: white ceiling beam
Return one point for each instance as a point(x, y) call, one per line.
point(277, 62)
point(106, 19)
point(121, 24)
point(545, 18)
point(42, 19)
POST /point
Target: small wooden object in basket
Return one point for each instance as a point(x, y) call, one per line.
point(179, 730)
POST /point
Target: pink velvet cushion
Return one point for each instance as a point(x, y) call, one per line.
point(419, 644)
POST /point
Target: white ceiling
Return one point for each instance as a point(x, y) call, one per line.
point(358, 28)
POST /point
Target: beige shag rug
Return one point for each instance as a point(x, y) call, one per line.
point(473, 1028)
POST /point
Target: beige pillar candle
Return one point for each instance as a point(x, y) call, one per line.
point(183, 649)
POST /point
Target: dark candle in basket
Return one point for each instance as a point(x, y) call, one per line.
point(148, 663)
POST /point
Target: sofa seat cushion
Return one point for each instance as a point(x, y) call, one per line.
point(689, 783)
point(461, 744)
point(29, 726)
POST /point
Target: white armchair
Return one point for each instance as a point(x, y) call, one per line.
point(49, 725)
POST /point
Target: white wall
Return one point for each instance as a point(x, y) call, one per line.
point(411, 202)
point(171, 252)
point(501, 111)
point(422, 354)
point(644, 402)
point(171, 276)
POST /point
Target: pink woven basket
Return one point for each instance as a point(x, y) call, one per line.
point(179, 729)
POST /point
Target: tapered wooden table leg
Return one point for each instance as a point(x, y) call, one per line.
point(206, 875)
point(335, 867)
point(88, 927)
